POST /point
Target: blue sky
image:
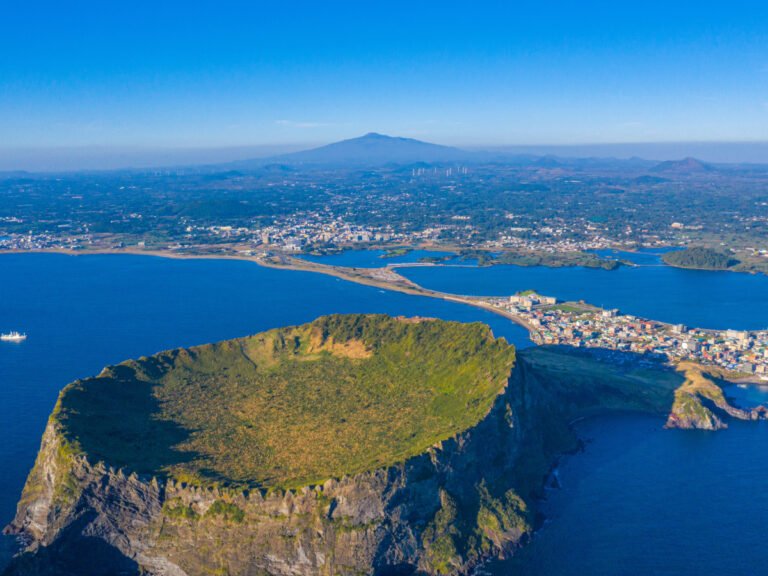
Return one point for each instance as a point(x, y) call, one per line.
point(221, 74)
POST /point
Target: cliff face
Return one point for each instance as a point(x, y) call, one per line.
point(701, 404)
point(437, 513)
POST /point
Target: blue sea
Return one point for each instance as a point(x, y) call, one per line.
point(641, 501)
point(379, 258)
point(85, 312)
point(700, 298)
point(638, 500)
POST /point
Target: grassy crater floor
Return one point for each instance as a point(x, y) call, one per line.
point(292, 406)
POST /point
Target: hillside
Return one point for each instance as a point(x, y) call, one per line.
point(684, 166)
point(375, 149)
point(700, 258)
point(371, 390)
point(351, 445)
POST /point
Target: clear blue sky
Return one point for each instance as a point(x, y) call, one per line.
point(211, 74)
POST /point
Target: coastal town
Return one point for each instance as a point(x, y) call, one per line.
point(584, 326)
point(319, 231)
point(322, 232)
point(581, 325)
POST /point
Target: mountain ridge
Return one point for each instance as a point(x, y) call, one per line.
point(685, 165)
point(374, 148)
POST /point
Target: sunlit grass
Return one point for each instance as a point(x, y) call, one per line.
point(292, 406)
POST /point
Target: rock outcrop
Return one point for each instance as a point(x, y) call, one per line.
point(701, 404)
point(440, 512)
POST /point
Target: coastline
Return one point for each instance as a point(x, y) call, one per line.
point(340, 272)
point(385, 278)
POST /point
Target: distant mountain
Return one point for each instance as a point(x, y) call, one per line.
point(405, 154)
point(684, 166)
point(375, 149)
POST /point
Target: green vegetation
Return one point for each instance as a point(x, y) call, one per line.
point(483, 257)
point(571, 307)
point(440, 536)
point(540, 258)
point(436, 259)
point(592, 378)
point(557, 260)
point(177, 510)
point(470, 527)
point(394, 252)
point(575, 383)
point(67, 489)
point(226, 510)
point(699, 401)
point(700, 258)
point(292, 406)
point(498, 518)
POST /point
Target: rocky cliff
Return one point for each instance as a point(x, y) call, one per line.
point(439, 512)
point(466, 498)
point(701, 404)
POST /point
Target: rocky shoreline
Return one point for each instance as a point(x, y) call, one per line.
point(467, 500)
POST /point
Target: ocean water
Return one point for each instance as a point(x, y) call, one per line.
point(83, 313)
point(373, 258)
point(700, 298)
point(639, 500)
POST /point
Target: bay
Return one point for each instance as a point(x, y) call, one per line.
point(700, 298)
point(375, 258)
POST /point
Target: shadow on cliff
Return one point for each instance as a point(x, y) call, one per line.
point(514, 448)
point(596, 380)
point(74, 554)
point(117, 419)
point(402, 569)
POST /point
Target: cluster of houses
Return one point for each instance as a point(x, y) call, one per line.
point(308, 231)
point(581, 325)
point(297, 234)
point(559, 243)
point(42, 242)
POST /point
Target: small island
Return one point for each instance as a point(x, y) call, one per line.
point(558, 259)
point(529, 258)
point(699, 258)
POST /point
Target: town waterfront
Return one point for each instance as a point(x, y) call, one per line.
point(637, 491)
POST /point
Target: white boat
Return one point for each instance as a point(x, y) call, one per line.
point(13, 337)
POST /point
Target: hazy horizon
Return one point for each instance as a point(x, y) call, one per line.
point(66, 159)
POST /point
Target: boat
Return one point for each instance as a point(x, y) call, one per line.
point(13, 337)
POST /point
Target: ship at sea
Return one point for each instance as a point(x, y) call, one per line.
point(13, 337)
